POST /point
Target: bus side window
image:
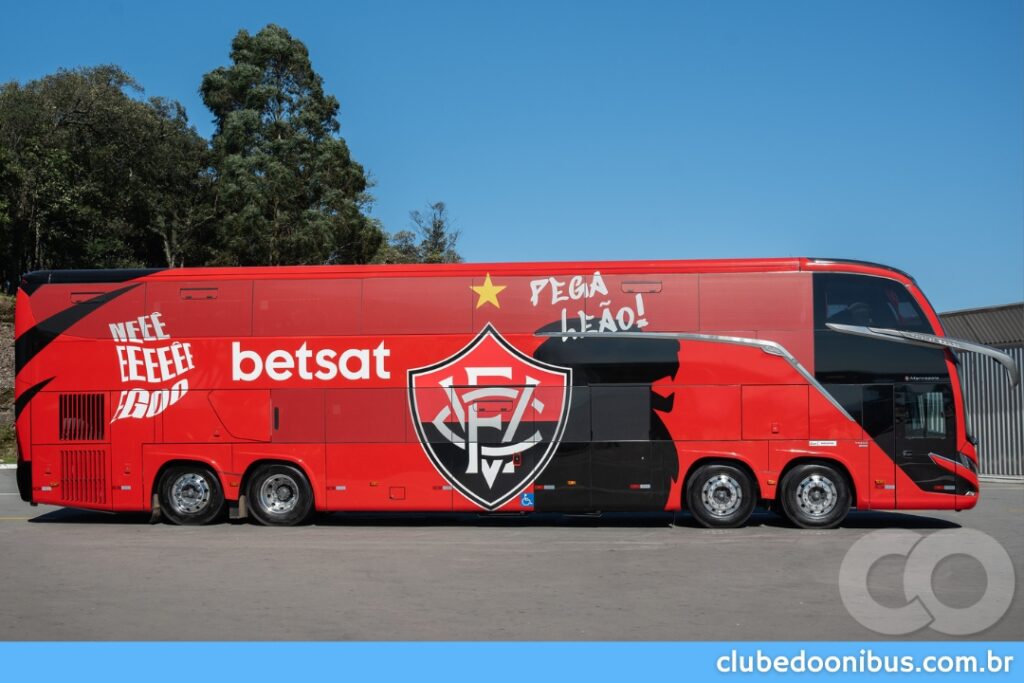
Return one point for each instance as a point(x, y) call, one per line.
point(50, 300)
point(928, 415)
point(849, 299)
point(197, 293)
point(202, 309)
point(620, 412)
point(410, 305)
point(368, 415)
point(327, 307)
point(652, 302)
point(755, 301)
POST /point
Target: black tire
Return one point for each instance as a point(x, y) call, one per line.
point(279, 495)
point(815, 496)
point(720, 496)
point(190, 495)
point(775, 507)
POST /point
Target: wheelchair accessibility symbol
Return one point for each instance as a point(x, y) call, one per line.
point(526, 500)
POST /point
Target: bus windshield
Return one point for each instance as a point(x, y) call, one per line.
point(871, 301)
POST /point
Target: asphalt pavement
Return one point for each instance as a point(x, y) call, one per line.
point(76, 575)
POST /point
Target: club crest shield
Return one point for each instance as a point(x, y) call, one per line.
point(490, 417)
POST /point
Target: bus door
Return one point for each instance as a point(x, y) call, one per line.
point(925, 439)
point(564, 485)
point(878, 423)
point(625, 469)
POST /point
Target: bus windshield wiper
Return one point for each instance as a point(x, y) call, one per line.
point(933, 341)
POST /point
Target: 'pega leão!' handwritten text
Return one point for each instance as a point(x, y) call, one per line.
point(605, 317)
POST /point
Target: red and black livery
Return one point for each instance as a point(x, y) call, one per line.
point(809, 385)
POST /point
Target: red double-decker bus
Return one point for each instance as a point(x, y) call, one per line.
point(808, 385)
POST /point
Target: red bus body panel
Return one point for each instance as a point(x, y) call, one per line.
point(316, 366)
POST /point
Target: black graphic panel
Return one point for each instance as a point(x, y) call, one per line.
point(564, 485)
point(632, 460)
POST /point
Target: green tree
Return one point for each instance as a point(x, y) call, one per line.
point(400, 247)
point(93, 176)
point(286, 188)
point(436, 239)
point(174, 195)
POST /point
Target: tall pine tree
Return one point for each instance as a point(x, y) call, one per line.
point(287, 190)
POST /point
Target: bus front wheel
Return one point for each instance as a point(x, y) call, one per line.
point(279, 495)
point(190, 494)
point(815, 496)
point(720, 496)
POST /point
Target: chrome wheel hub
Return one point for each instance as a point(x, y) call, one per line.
point(279, 494)
point(817, 496)
point(190, 493)
point(721, 495)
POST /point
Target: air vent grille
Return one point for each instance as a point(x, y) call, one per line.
point(82, 417)
point(83, 476)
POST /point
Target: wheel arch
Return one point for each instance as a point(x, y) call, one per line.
point(838, 465)
point(243, 485)
point(156, 458)
point(174, 462)
point(719, 460)
point(155, 499)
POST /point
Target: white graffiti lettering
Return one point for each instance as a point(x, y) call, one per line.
point(143, 328)
point(154, 364)
point(139, 363)
point(578, 288)
point(140, 403)
point(601, 319)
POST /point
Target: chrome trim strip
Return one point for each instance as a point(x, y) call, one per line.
point(769, 347)
point(932, 341)
point(935, 456)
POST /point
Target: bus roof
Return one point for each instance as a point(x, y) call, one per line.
point(31, 281)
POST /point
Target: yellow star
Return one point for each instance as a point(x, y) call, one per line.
point(488, 292)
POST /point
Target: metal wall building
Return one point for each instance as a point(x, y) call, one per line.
point(995, 411)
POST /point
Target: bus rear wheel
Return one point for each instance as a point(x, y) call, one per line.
point(815, 496)
point(190, 495)
point(720, 496)
point(279, 495)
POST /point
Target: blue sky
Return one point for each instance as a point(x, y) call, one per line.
point(890, 131)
